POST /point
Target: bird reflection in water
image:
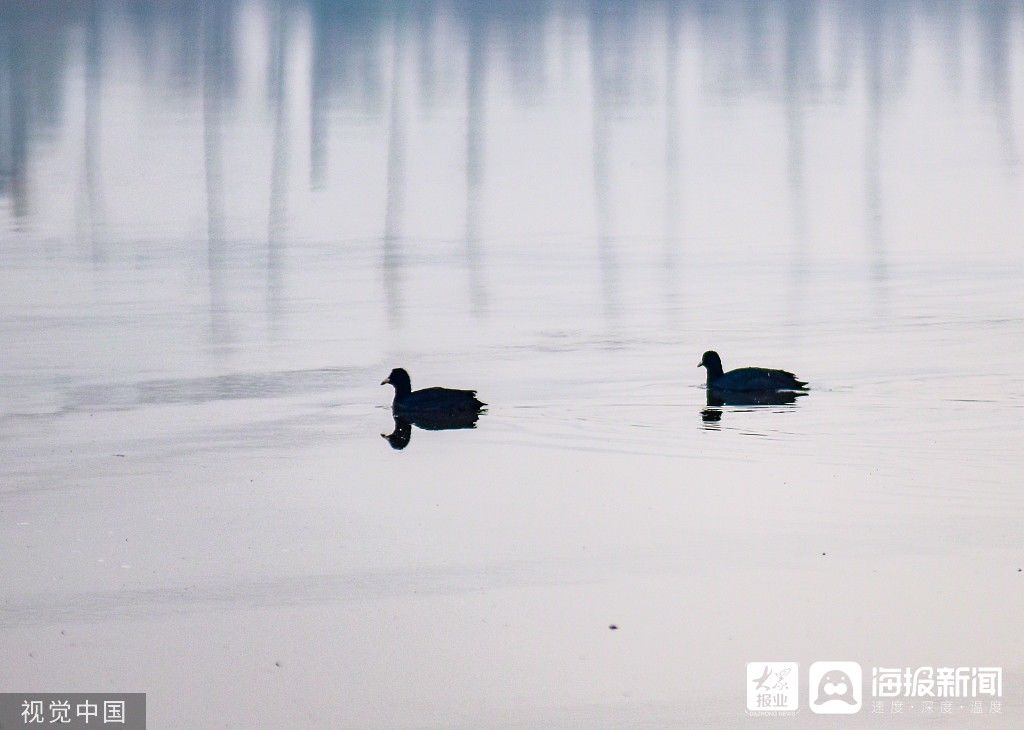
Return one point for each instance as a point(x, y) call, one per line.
point(401, 435)
point(712, 414)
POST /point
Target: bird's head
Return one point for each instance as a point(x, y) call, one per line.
point(710, 360)
point(400, 379)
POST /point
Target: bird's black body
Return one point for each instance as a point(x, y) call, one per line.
point(431, 404)
point(747, 380)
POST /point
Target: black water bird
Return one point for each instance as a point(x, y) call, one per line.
point(431, 404)
point(747, 380)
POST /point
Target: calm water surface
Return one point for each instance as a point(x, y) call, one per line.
point(221, 226)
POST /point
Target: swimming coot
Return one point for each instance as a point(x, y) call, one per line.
point(429, 401)
point(747, 380)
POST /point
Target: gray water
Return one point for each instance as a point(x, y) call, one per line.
point(222, 226)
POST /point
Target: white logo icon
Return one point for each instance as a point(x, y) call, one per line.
point(835, 688)
point(772, 687)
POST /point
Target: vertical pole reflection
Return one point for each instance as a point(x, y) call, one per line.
point(91, 210)
point(951, 21)
point(426, 61)
point(320, 71)
point(278, 207)
point(14, 108)
point(476, 73)
point(599, 101)
point(799, 74)
point(672, 121)
point(873, 182)
point(873, 29)
point(214, 39)
point(996, 25)
point(395, 203)
point(799, 58)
